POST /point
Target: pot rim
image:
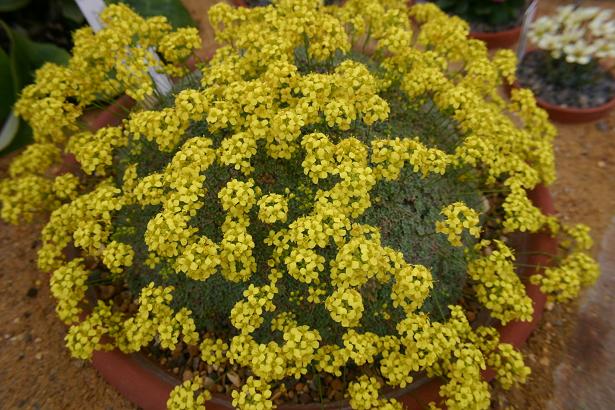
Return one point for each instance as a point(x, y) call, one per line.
point(495, 34)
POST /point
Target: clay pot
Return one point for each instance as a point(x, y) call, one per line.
point(573, 115)
point(498, 39)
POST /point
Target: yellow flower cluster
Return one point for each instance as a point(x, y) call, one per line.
point(364, 393)
point(177, 46)
point(94, 150)
point(246, 315)
point(255, 394)
point(189, 395)
point(198, 260)
point(66, 186)
point(496, 283)
point(457, 218)
point(35, 159)
point(68, 287)
point(213, 351)
point(155, 318)
point(283, 87)
point(272, 208)
point(509, 365)
point(117, 255)
point(85, 337)
point(114, 60)
point(563, 282)
point(23, 197)
point(345, 306)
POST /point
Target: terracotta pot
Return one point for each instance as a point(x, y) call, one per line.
point(498, 39)
point(573, 115)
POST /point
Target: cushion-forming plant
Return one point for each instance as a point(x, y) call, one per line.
point(317, 198)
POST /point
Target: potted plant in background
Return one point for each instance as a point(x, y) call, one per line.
point(496, 22)
point(262, 3)
point(565, 71)
point(305, 223)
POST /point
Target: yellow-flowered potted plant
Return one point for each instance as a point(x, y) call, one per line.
point(296, 210)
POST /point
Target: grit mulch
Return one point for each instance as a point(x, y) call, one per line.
point(570, 354)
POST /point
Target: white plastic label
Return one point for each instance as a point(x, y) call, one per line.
point(528, 17)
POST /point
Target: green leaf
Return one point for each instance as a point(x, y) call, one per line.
point(14, 134)
point(483, 10)
point(445, 4)
point(12, 5)
point(501, 16)
point(173, 10)
point(71, 11)
point(7, 91)
point(16, 71)
point(27, 56)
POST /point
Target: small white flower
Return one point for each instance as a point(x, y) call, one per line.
point(563, 13)
point(578, 53)
point(581, 15)
point(604, 48)
point(579, 33)
point(573, 34)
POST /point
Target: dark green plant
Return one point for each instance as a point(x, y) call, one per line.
point(491, 13)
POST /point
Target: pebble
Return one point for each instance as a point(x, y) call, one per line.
point(544, 361)
point(38, 356)
point(193, 350)
point(549, 306)
point(195, 363)
point(602, 126)
point(305, 398)
point(78, 363)
point(208, 382)
point(234, 378)
point(32, 292)
point(336, 384)
point(601, 164)
point(276, 395)
point(187, 375)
